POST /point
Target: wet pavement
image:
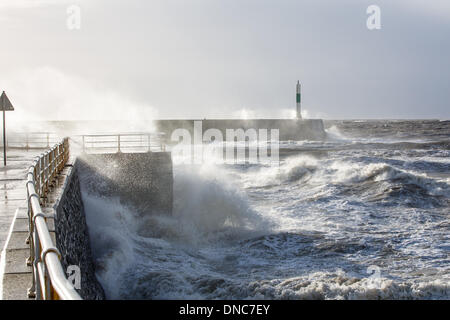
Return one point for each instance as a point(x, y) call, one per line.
point(12, 186)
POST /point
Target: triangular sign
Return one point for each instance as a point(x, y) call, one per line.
point(5, 104)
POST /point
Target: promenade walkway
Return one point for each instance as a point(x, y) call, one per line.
point(13, 193)
point(12, 187)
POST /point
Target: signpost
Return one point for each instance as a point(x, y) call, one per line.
point(5, 105)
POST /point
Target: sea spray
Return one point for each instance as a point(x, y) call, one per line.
point(311, 229)
point(207, 210)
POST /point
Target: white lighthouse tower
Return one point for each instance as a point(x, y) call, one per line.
point(299, 101)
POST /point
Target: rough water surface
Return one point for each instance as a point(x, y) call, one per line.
point(367, 219)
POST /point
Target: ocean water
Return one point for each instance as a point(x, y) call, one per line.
point(366, 218)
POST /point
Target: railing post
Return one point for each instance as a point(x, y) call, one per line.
point(37, 177)
point(42, 178)
point(54, 165)
point(61, 156)
point(149, 142)
point(66, 150)
point(82, 142)
point(58, 157)
point(30, 260)
point(118, 142)
point(37, 253)
point(48, 286)
point(50, 168)
point(46, 173)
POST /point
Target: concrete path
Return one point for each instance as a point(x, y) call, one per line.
point(13, 197)
point(15, 275)
point(12, 187)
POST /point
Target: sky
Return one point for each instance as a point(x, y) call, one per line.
point(137, 60)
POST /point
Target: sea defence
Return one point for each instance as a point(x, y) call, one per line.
point(140, 180)
point(143, 181)
point(289, 129)
point(57, 228)
point(72, 236)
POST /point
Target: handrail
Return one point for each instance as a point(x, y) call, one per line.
point(49, 279)
point(31, 140)
point(147, 142)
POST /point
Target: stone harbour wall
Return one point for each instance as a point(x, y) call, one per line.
point(141, 180)
point(72, 236)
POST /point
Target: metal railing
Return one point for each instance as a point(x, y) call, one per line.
point(31, 140)
point(123, 142)
point(49, 278)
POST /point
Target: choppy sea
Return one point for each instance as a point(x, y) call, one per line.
point(366, 218)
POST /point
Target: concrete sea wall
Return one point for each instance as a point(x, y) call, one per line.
point(72, 236)
point(141, 180)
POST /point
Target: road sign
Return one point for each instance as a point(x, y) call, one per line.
point(5, 105)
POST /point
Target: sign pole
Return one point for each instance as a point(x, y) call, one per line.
point(5, 105)
point(4, 138)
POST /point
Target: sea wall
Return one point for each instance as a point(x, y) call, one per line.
point(289, 129)
point(140, 180)
point(72, 236)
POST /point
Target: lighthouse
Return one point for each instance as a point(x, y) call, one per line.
point(299, 101)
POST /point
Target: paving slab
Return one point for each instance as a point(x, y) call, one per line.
point(20, 225)
point(15, 261)
point(18, 241)
point(12, 187)
point(14, 284)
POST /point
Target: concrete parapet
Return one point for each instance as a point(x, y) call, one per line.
point(140, 180)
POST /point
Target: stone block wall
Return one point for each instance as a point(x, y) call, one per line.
point(72, 236)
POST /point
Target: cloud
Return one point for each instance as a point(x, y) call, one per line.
point(213, 58)
point(435, 8)
point(46, 93)
point(30, 3)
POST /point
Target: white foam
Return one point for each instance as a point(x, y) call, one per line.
point(209, 247)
